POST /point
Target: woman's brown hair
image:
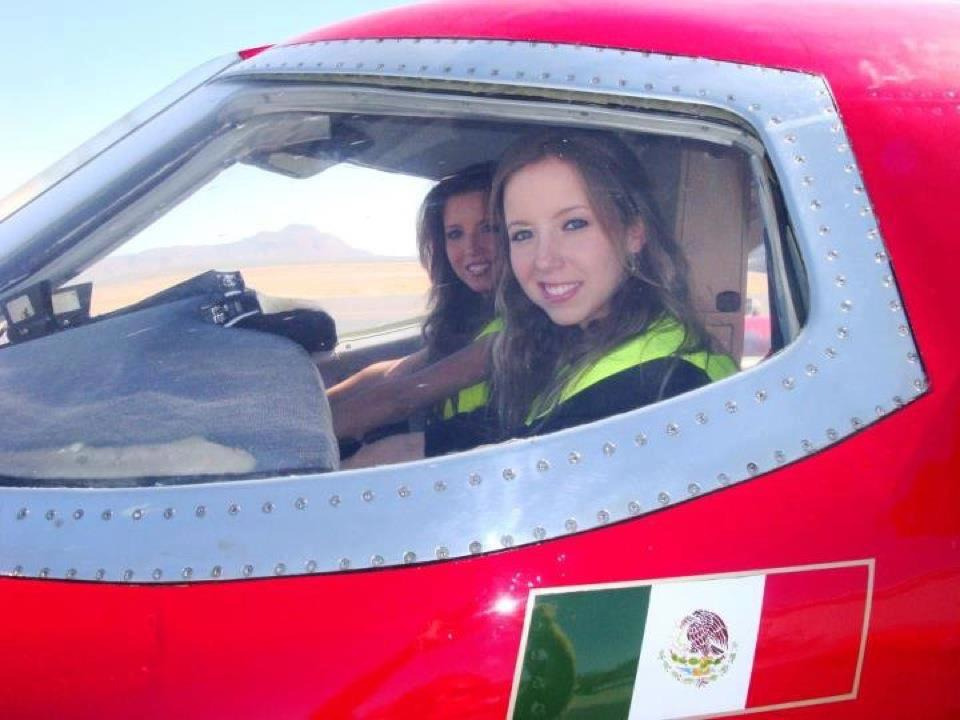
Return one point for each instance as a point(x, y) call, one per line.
point(533, 358)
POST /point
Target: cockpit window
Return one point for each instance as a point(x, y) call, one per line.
point(304, 269)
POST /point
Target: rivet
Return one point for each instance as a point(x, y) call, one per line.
point(903, 330)
point(849, 168)
point(186, 573)
point(842, 148)
point(912, 357)
point(872, 234)
point(663, 498)
point(816, 205)
point(898, 401)
point(693, 489)
point(858, 189)
point(157, 573)
point(894, 305)
point(701, 418)
point(570, 525)
point(335, 500)
point(475, 548)
point(788, 383)
point(799, 159)
point(760, 395)
point(442, 552)
point(731, 406)
point(807, 180)
point(300, 503)
point(542, 465)
point(603, 517)
point(791, 138)
point(633, 507)
point(22, 513)
point(640, 440)
point(71, 573)
point(78, 514)
point(50, 514)
point(474, 479)
point(754, 107)
point(846, 305)
point(571, 77)
point(519, 74)
point(403, 491)
point(824, 230)
point(168, 513)
point(775, 120)
point(367, 496)
point(840, 280)
point(919, 384)
point(440, 486)
point(609, 448)
point(832, 434)
point(216, 571)
point(811, 370)
point(806, 446)
point(128, 575)
point(344, 564)
point(44, 572)
point(573, 457)
point(752, 468)
point(247, 570)
point(279, 569)
point(780, 457)
point(311, 566)
point(18, 570)
point(506, 541)
point(100, 574)
point(879, 410)
point(268, 507)
point(595, 80)
point(676, 88)
point(731, 98)
point(887, 281)
point(137, 514)
point(234, 509)
point(648, 86)
point(843, 332)
point(200, 511)
point(865, 211)
point(832, 254)
point(673, 429)
point(509, 474)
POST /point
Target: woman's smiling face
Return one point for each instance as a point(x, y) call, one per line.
point(469, 240)
point(562, 257)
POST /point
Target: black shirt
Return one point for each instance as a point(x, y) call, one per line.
point(627, 390)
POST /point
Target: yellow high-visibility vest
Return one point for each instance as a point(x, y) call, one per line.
point(477, 395)
point(662, 339)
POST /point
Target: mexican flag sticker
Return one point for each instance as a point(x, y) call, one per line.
point(694, 647)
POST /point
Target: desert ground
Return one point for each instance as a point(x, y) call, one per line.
point(357, 294)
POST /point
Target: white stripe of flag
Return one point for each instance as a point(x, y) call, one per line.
point(666, 688)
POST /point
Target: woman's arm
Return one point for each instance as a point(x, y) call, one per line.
point(397, 393)
point(371, 375)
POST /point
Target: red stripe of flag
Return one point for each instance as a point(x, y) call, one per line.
point(811, 628)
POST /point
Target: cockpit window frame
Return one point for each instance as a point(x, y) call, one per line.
point(808, 396)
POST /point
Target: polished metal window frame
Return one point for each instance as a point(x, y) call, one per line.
point(853, 361)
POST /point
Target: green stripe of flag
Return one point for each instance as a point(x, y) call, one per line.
point(581, 655)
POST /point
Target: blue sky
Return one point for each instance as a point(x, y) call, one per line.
point(71, 68)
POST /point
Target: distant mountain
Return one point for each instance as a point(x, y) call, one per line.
point(295, 244)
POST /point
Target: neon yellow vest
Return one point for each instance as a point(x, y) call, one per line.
point(475, 396)
point(663, 339)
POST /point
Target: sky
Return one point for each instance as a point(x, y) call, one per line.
point(71, 68)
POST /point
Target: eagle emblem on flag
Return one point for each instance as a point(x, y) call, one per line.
point(700, 650)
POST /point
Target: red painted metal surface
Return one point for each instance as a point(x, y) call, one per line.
point(433, 641)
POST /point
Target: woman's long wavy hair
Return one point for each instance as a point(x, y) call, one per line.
point(456, 313)
point(533, 358)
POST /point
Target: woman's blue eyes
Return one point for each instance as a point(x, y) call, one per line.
point(569, 225)
point(575, 224)
point(454, 234)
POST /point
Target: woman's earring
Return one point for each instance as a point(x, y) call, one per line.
point(633, 265)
